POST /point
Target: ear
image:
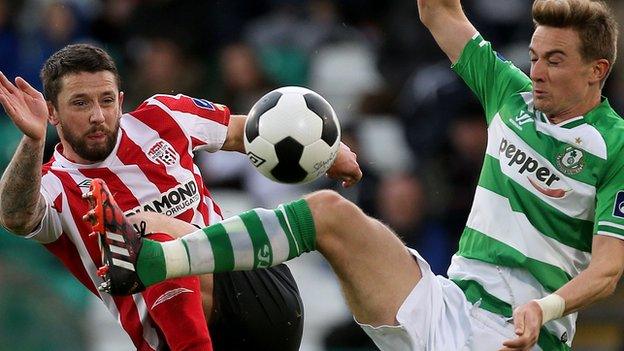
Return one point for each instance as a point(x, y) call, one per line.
point(600, 69)
point(121, 99)
point(52, 114)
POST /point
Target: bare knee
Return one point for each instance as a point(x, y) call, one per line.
point(328, 207)
point(334, 216)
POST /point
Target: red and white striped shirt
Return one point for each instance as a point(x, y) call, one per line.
point(150, 169)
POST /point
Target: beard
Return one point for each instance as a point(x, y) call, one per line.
point(93, 153)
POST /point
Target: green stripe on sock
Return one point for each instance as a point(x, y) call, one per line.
point(263, 252)
point(294, 243)
point(151, 265)
point(300, 218)
point(221, 248)
point(188, 254)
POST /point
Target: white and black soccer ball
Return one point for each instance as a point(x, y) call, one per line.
point(292, 135)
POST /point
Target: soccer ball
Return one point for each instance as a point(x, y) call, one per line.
point(292, 135)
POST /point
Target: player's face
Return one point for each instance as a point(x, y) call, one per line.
point(87, 115)
point(562, 80)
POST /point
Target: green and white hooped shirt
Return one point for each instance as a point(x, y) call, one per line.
point(544, 191)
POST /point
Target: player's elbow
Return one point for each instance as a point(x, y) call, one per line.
point(612, 279)
point(18, 224)
point(425, 15)
point(611, 288)
point(15, 227)
point(434, 14)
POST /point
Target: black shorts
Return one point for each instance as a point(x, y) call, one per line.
point(256, 310)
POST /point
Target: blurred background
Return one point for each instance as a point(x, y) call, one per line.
point(419, 133)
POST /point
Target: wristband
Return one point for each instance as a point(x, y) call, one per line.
point(552, 307)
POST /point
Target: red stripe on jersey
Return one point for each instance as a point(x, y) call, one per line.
point(129, 315)
point(169, 130)
point(65, 250)
point(203, 208)
point(131, 321)
point(196, 142)
point(186, 216)
point(58, 203)
point(131, 154)
point(215, 207)
point(78, 207)
point(198, 107)
point(46, 167)
point(126, 200)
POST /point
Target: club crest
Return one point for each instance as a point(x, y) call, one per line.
point(571, 161)
point(162, 152)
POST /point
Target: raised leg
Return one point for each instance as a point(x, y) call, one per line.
point(374, 268)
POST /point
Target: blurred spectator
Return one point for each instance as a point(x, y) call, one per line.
point(343, 72)
point(402, 205)
point(57, 23)
point(9, 41)
point(454, 171)
point(244, 81)
point(203, 27)
point(111, 26)
point(373, 61)
point(162, 67)
point(290, 35)
point(281, 40)
point(427, 105)
point(406, 44)
point(502, 21)
point(383, 143)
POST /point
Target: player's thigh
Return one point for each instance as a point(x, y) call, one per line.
point(375, 269)
point(433, 317)
point(159, 223)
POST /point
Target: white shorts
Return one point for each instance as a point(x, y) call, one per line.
point(436, 316)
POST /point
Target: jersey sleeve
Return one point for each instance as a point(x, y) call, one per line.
point(610, 200)
point(204, 122)
point(492, 78)
point(50, 227)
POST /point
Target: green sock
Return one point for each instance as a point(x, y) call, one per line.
point(151, 263)
point(255, 239)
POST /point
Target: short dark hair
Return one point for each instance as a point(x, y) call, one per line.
point(74, 58)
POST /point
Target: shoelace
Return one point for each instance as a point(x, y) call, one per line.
point(140, 228)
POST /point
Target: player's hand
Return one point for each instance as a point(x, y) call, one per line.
point(25, 106)
point(527, 321)
point(345, 167)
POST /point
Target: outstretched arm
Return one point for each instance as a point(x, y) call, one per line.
point(596, 282)
point(235, 134)
point(448, 24)
point(345, 168)
point(21, 204)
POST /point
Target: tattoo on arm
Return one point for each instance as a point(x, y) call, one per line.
point(21, 204)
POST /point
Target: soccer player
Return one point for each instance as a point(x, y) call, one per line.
point(545, 237)
point(146, 156)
